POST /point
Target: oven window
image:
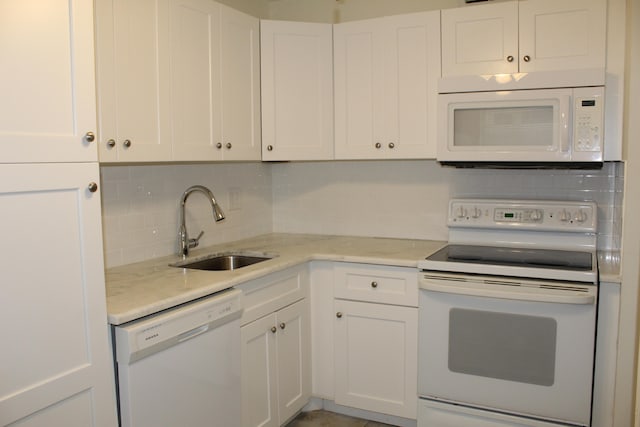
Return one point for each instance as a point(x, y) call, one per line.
point(505, 346)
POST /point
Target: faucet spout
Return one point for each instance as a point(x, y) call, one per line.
point(185, 242)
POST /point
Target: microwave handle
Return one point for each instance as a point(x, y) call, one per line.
point(509, 292)
point(566, 118)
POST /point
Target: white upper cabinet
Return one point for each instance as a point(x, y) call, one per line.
point(195, 79)
point(480, 39)
point(386, 74)
point(546, 43)
point(562, 35)
point(240, 79)
point(177, 80)
point(47, 89)
point(132, 51)
point(297, 91)
point(214, 82)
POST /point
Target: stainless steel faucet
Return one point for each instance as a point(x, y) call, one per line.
point(185, 242)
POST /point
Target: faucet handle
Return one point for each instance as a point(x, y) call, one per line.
point(193, 243)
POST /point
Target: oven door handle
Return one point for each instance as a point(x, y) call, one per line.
point(553, 294)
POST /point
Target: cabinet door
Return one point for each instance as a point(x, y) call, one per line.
point(480, 39)
point(359, 89)
point(47, 101)
point(294, 367)
point(376, 357)
point(297, 91)
point(412, 70)
point(562, 35)
point(133, 80)
point(258, 373)
point(240, 73)
point(194, 28)
point(56, 365)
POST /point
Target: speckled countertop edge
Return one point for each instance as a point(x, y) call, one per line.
point(140, 289)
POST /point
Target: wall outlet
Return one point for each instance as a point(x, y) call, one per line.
point(235, 199)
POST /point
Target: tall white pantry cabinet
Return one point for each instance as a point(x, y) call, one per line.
point(55, 365)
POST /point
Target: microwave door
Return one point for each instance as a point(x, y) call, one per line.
point(506, 127)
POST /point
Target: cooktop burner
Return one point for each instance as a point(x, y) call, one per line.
point(518, 257)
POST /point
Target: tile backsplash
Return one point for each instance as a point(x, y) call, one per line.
point(140, 206)
point(409, 199)
point(390, 198)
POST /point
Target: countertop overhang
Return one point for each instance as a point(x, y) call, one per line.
point(144, 288)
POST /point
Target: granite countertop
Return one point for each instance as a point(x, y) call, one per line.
point(137, 290)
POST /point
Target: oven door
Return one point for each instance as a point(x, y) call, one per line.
point(522, 347)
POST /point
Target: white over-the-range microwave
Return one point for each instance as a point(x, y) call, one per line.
point(522, 128)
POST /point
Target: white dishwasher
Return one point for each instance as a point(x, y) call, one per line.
point(181, 367)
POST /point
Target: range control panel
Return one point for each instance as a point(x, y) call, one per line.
point(523, 214)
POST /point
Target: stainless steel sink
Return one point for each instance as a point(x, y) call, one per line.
point(223, 262)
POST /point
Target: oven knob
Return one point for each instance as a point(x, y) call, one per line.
point(564, 215)
point(477, 212)
point(461, 212)
point(581, 216)
point(536, 215)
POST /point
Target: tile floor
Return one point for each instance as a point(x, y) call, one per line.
point(330, 419)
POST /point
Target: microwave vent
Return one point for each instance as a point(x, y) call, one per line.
point(522, 165)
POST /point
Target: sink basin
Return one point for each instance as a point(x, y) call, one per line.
point(223, 262)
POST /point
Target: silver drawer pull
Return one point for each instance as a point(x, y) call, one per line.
point(374, 284)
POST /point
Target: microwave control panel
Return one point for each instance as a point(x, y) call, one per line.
point(588, 123)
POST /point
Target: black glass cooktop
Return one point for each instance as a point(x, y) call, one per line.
point(518, 257)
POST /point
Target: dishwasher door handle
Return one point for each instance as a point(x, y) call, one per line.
point(193, 333)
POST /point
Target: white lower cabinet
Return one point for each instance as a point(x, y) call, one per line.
point(276, 365)
point(376, 357)
point(375, 344)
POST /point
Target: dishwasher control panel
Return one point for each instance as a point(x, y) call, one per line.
point(137, 339)
point(523, 214)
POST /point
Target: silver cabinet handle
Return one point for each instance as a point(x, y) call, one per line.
point(274, 329)
point(392, 145)
point(374, 284)
point(89, 137)
point(111, 143)
point(228, 145)
point(283, 325)
point(378, 145)
point(526, 58)
point(509, 58)
point(219, 145)
point(269, 147)
point(93, 187)
point(339, 315)
point(127, 143)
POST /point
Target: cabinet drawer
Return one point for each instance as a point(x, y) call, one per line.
point(270, 293)
point(375, 283)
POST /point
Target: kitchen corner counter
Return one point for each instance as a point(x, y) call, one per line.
point(140, 289)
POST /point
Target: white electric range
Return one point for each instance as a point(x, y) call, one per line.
point(508, 316)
